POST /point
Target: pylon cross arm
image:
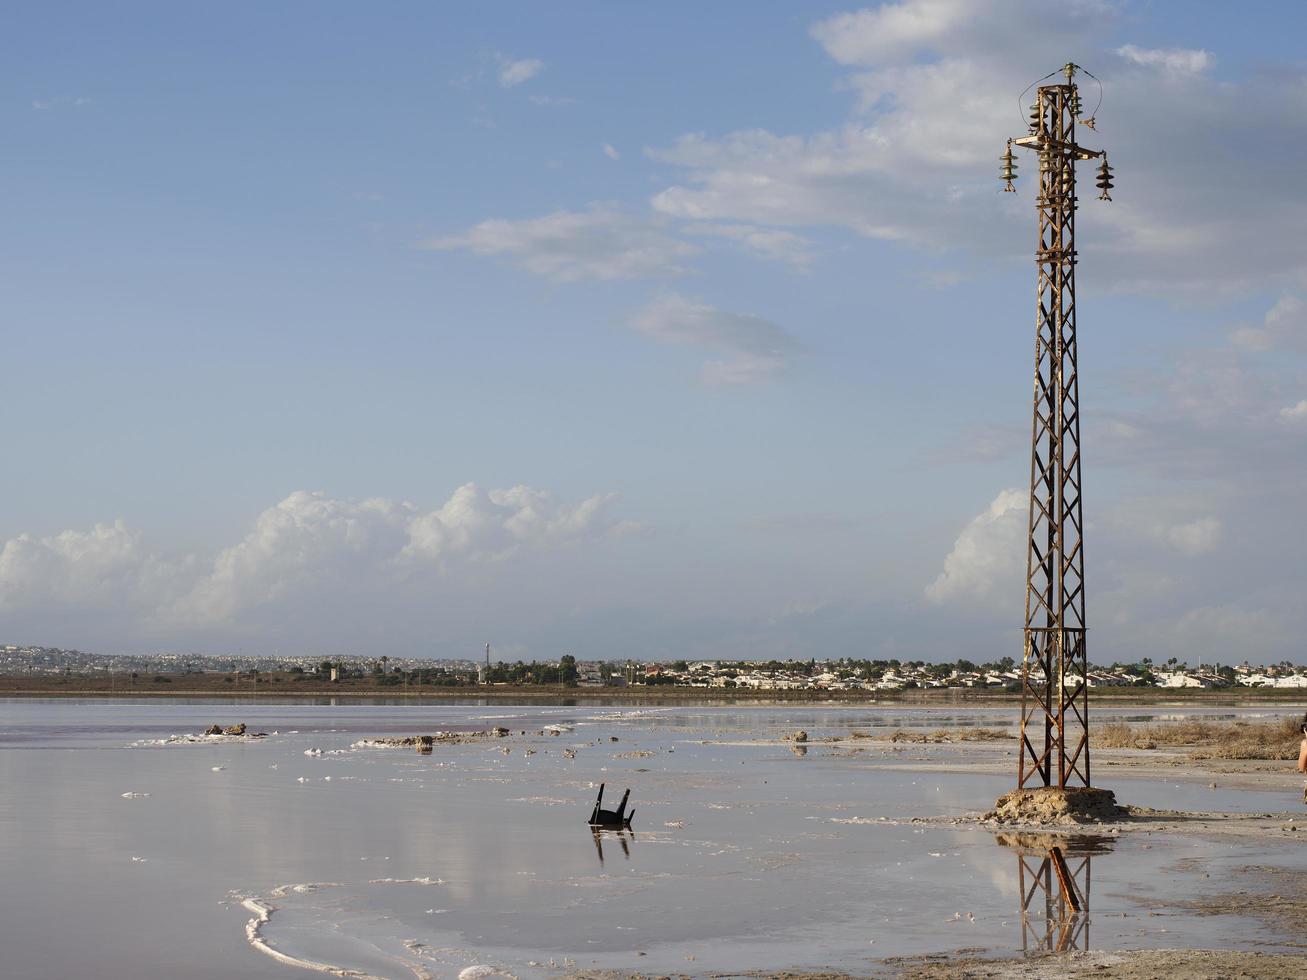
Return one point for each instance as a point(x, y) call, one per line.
point(1039, 142)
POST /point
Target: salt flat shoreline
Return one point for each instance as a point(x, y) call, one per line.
point(693, 763)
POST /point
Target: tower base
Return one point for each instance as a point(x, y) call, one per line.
point(1050, 806)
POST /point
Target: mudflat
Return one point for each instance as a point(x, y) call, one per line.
point(411, 838)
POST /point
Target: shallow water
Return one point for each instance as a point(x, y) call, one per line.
point(125, 856)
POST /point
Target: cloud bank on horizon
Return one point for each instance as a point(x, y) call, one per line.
point(308, 549)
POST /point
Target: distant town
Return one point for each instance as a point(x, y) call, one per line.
point(845, 674)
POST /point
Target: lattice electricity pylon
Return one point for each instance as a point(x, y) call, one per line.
point(1054, 687)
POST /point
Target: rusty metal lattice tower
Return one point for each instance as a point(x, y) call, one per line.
point(1054, 747)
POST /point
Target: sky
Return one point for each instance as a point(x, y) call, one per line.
point(658, 330)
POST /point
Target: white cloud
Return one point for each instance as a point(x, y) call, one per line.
point(569, 246)
point(551, 100)
point(892, 31)
point(937, 84)
point(306, 537)
point(988, 557)
point(490, 526)
point(765, 243)
point(611, 153)
point(1295, 413)
point(1285, 325)
point(1221, 633)
point(1215, 413)
point(1181, 61)
point(105, 566)
point(757, 350)
point(310, 538)
point(515, 71)
point(1195, 537)
point(308, 544)
point(1179, 521)
point(75, 102)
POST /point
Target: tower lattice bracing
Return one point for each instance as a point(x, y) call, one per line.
point(1054, 748)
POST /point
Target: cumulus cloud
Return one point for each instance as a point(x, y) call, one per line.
point(611, 152)
point(307, 544)
point(1195, 537)
point(892, 31)
point(1217, 412)
point(1295, 413)
point(602, 243)
point(515, 71)
point(936, 83)
point(1176, 60)
point(490, 526)
point(108, 565)
point(765, 243)
point(988, 557)
point(1284, 326)
point(1222, 633)
point(756, 349)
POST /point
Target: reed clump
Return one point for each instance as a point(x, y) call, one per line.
point(1208, 739)
point(942, 735)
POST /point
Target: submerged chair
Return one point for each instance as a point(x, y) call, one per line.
point(600, 817)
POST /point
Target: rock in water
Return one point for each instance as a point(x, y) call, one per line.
point(213, 730)
point(235, 729)
point(799, 736)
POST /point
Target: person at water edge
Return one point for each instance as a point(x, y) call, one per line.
point(1302, 756)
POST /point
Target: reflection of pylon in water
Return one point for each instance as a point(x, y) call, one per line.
point(1054, 901)
point(1053, 874)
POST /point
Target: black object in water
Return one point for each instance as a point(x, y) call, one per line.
point(600, 817)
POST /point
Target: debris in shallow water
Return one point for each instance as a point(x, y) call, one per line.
point(407, 741)
point(600, 817)
point(483, 973)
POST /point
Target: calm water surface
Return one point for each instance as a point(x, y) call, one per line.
point(126, 855)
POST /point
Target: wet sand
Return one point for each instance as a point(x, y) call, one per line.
point(1261, 892)
point(1149, 964)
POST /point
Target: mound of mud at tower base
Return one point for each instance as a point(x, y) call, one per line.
point(1058, 807)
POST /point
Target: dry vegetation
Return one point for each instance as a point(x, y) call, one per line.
point(1209, 739)
point(942, 735)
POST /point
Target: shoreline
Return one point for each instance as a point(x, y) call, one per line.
point(1263, 888)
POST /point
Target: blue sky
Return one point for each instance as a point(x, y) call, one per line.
point(732, 292)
